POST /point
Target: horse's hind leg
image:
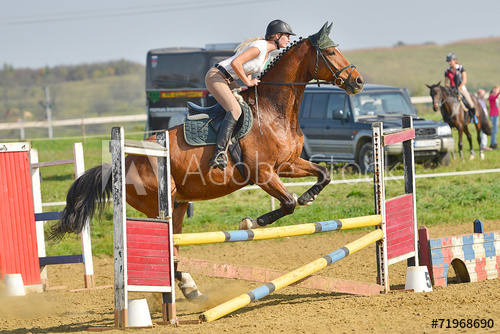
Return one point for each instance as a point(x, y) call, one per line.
point(184, 280)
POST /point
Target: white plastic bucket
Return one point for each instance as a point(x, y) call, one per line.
point(418, 279)
point(14, 285)
point(138, 313)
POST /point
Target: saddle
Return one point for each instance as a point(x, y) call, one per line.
point(203, 123)
point(469, 112)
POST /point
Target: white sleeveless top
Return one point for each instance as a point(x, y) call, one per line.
point(254, 65)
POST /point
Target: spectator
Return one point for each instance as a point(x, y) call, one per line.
point(494, 105)
point(481, 94)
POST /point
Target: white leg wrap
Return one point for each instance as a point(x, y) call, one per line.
point(189, 289)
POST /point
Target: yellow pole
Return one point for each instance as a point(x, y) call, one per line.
point(292, 277)
point(275, 232)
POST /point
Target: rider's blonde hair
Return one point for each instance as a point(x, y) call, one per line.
point(246, 42)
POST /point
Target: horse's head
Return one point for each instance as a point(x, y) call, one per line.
point(335, 67)
point(436, 95)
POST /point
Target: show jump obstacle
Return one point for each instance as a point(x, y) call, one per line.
point(474, 257)
point(143, 248)
point(395, 236)
point(22, 242)
point(394, 219)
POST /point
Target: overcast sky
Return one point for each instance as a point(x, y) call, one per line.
point(66, 32)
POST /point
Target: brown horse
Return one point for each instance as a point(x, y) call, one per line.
point(444, 99)
point(271, 149)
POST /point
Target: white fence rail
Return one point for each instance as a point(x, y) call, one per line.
point(74, 121)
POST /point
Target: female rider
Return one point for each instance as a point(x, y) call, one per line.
point(455, 77)
point(250, 58)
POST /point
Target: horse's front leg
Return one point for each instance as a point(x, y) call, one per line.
point(303, 168)
point(270, 182)
point(469, 138)
point(479, 141)
point(460, 143)
point(275, 188)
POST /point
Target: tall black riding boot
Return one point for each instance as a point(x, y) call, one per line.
point(219, 159)
point(472, 114)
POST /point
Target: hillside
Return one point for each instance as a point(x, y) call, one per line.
point(417, 65)
point(91, 90)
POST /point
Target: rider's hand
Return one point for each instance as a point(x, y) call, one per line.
point(253, 82)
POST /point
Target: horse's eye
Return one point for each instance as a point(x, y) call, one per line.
point(331, 53)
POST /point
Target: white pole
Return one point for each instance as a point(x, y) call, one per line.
point(48, 110)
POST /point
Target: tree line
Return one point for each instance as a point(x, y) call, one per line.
point(64, 73)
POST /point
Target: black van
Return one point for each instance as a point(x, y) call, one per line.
point(337, 126)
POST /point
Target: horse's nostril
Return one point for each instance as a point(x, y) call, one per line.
point(360, 81)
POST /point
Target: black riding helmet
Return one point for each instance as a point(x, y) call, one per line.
point(450, 56)
point(278, 27)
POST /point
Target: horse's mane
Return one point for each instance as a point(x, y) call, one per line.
point(321, 39)
point(279, 56)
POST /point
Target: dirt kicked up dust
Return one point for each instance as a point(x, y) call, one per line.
point(289, 310)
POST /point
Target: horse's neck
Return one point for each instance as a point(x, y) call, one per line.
point(449, 100)
point(283, 100)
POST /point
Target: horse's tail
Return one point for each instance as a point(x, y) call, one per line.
point(485, 125)
point(86, 196)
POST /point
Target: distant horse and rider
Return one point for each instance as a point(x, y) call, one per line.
point(458, 107)
point(457, 116)
point(270, 149)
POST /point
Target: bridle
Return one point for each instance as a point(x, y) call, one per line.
point(439, 103)
point(337, 80)
point(443, 95)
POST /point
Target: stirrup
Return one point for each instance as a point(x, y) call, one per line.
point(219, 161)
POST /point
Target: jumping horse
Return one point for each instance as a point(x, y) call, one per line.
point(444, 99)
point(270, 150)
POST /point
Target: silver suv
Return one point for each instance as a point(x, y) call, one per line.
point(337, 126)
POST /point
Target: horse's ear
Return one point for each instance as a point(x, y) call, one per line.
point(428, 86)
point(439, 83)
point(324, 30)
point(329, 29)
point(322, 38)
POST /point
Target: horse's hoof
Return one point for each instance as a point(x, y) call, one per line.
point(198, 298)
point(472, 157)
point(306, 202)
point(248, 224)
point(481, 155)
